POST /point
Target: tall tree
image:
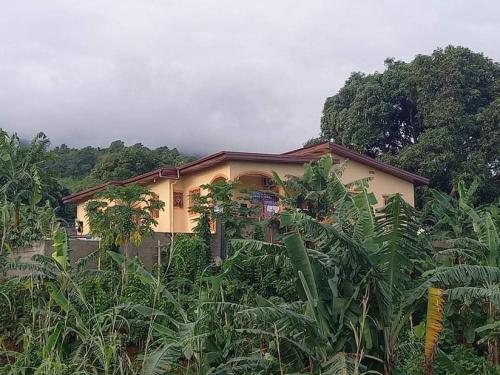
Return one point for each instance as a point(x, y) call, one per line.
point(24, 186)
point(121, 215)
point(124, 162)
point(438, 115)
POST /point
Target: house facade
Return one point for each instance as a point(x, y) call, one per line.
point(176, 185)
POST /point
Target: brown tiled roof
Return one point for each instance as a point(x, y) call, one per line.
point(224, 156)
point(140, 179)
point(364, 159)
point(299, 156)
point(200, 164)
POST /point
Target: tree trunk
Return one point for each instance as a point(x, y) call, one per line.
point(388, 366)
point(390, 357)
point(493, 352)
point(17, 217)
point(428, 368)
point(493, 347)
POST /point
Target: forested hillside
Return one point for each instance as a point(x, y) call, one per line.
point(64, 170)
point(79, 168)
point(438, 116)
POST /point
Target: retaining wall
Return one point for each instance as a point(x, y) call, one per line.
point(147, 251)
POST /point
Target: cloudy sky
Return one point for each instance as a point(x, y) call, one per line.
point(208, 75)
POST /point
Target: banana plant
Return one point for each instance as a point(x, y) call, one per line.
point(217, 337)
point(349, 248)
point(447, 213)
point(434, 326)
point(67, 334)
point(475, 276)
point(20, 170)
point(21, 190)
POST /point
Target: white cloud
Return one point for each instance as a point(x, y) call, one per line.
point(208, 75)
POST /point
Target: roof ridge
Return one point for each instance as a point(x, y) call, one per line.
point(306, 147)
point(368, 160)
point(287, 157)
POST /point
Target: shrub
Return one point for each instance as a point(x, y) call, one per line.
point(189, 257)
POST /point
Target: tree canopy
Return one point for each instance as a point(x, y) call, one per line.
point(131, 161)
point(81, 168)
point(27, 191)
point(438, 115)
point(122, 214)
point(62, 170)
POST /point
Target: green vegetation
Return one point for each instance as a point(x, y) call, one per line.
point(121, 215)
point(437, 115)
point(27, 192)
point(77, 169)
point(34, 179)
point(341, 290)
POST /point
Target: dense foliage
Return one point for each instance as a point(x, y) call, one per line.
point(190, 257)
point(438, 115)
point(27, 191)
point(81, 168)
point(341, 290)
point(63, 170)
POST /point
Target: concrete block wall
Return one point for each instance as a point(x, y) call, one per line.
point(147, 251)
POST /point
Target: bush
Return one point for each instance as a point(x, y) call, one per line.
point(15, 308)
point(189, 257)
point(262, 271)
point(451, 359)
point(465, 358)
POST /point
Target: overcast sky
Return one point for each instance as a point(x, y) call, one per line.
point(205, 76)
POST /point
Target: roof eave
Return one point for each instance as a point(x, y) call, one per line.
point(226, 156)
point(364, 159)
point(169, 173)
point(416, 179)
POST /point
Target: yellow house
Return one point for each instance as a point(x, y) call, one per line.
point(175, 185)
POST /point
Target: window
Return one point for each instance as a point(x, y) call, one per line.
point(386, 199)
point(192, 194)
point(267, 182)
point(155, 213)
point(267, 202)
point(79, 226)
point(178, 199)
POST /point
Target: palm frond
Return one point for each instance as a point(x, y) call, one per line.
point(434, 326)
point(364, 228)
point(457, 276)
point(161, 360)
point(398, 241)
point(340, 364)
point(466, 294)
point(258, 247)
point(134, 267)
point(300, 262)
point(452, 253)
